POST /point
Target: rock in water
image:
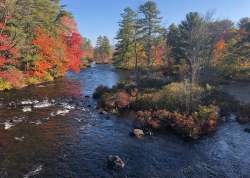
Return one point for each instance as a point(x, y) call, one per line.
point(102, 112)
point(115, 162)
point(247, 130)
point(138, 133)
point(243, 120)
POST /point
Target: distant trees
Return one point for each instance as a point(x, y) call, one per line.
point(235, 59)
point(103, 50)
point(88, 55)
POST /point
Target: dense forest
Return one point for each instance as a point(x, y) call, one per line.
point(200, 44)
point(39, 41)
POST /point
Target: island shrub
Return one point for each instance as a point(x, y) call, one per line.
point(174, 97)
point(100, 91)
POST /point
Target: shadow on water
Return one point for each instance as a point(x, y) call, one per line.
point(50, 130)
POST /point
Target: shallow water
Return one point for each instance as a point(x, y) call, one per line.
point(241, 91)
point(52, 130)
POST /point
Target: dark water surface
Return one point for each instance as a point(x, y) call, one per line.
point(52, 130)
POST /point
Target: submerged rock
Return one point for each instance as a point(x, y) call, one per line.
point(103, 112)
point(138, 133)
point(247, 130)
point(115, 162)
point(243, 119)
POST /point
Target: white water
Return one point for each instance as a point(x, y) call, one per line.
point(34, 172)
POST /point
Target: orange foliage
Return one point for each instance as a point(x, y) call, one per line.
point(51, 53)
point(13, 76)
point(74, 52)
point(70, 24)
point(219, 51)
point(159, 54)
point(60, 54)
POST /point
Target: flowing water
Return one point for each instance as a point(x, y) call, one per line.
point(52, 130)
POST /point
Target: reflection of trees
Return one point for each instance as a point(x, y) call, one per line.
point(59, 88)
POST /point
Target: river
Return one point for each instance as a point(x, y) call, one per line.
point(52, 130)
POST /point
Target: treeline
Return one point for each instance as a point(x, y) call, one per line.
point(39, 41)
point(198, 46)
point(103, 50)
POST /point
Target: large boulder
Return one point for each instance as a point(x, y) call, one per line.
point(115, 162)
point(138, 133)
point(243, 119)
point(247, 130)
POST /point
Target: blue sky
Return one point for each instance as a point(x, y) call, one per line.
point(101, 17)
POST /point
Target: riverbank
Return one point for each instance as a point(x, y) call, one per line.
point(21, 80)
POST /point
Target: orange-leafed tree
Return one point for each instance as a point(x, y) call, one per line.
point(159, 54)
point(74, 51)
point(57, 54)
point(218, 51)
point(74, 42)
point(51, 52)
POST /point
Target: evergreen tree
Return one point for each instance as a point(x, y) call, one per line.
point(98, 50)
point(125, 53)
point(150, 28)
point(174, 41)
point(106, 49)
